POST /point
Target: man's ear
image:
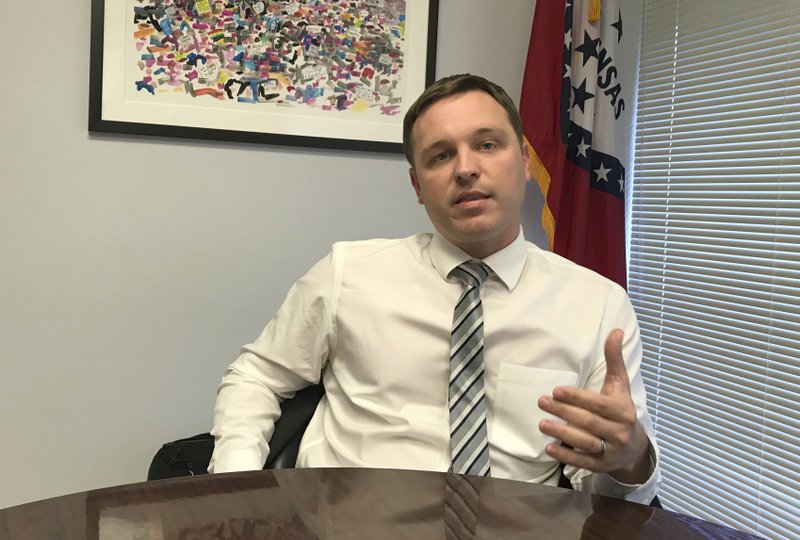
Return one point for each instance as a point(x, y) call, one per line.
point(415, 183)
point(526, 159)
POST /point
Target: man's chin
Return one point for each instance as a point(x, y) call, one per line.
point(479, 243)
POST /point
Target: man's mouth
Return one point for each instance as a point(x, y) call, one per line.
point(471, 196)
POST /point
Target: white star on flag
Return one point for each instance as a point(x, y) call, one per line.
point(602, 173)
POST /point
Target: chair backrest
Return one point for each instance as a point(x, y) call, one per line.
point(296, 413)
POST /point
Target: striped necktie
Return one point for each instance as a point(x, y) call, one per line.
point(469, 443)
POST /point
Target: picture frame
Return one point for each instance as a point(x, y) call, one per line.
point(336, 75)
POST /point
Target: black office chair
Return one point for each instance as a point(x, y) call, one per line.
point(191, 456)
point(296, 413)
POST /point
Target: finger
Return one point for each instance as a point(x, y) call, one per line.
point(569, 435)
point(569, 456)
point(579, 417)
point(594, 402)
point(616, 372)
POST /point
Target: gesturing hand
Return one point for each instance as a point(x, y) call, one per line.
point(602, 432)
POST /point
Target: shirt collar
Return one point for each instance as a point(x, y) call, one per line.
point(507, 263)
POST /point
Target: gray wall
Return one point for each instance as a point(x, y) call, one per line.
point(125, 292)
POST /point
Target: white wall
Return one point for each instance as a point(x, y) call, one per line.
point(126, 289)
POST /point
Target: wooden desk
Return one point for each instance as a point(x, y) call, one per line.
point(291, 504)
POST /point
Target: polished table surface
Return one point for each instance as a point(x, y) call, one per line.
point(339, 503)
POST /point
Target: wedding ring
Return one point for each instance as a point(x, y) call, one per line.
point(603, 448)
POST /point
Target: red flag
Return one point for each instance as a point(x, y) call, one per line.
point(577, 116)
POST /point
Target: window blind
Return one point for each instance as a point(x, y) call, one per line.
point(714, 270)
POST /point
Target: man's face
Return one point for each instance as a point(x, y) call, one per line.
point(470, 172)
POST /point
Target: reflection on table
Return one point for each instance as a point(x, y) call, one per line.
point(343, 503)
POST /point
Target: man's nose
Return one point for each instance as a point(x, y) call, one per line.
point(466, 166)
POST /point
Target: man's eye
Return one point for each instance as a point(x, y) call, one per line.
point(441, 156)
point(488, 146)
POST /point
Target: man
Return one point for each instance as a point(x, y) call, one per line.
point(542, 350)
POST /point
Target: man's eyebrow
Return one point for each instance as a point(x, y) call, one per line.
point(489, 131)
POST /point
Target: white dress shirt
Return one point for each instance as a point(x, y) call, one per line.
point(373, 319)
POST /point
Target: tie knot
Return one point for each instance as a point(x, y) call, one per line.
point(472, 272)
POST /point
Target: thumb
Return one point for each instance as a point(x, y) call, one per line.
point(616, 373)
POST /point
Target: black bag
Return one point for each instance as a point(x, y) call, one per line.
point(191, 456)
point(184, 457)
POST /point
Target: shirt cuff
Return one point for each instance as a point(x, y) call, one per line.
point(644, 493)
point(235, 461)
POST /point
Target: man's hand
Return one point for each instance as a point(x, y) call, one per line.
point(593, 417)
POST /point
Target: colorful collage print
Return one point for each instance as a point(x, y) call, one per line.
point(332, 56)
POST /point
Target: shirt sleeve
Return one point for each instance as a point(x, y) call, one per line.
point(289, 355)
point(620, 314)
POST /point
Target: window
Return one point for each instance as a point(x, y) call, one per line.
point(715, 256)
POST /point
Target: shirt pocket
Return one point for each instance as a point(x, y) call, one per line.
point(515, 426)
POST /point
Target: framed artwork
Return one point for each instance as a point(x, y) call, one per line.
point(328, 74)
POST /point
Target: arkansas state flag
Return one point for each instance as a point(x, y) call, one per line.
point(577, 107)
